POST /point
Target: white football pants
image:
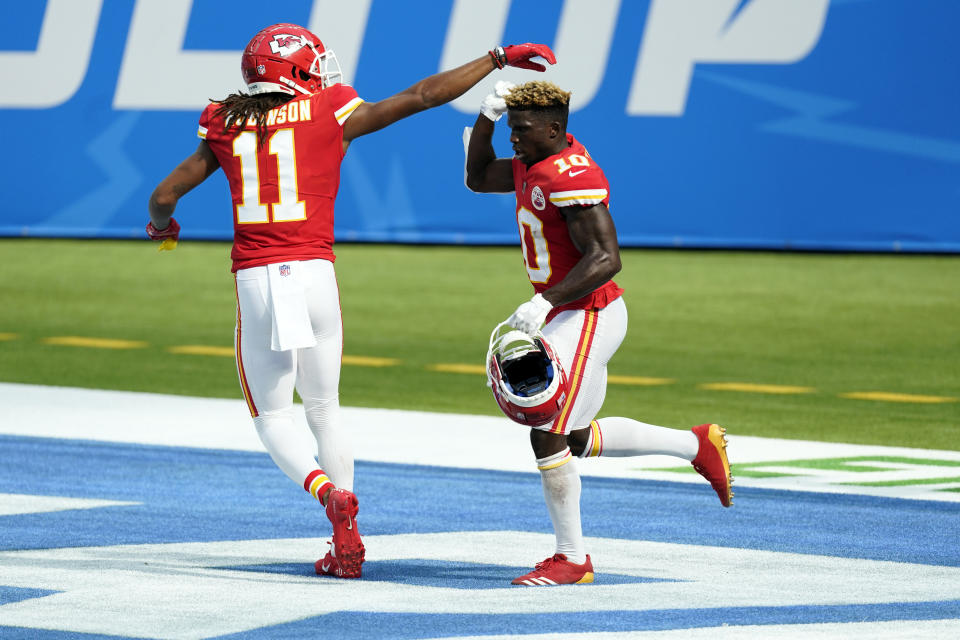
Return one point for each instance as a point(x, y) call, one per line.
point(268, 377)
point(585, 341)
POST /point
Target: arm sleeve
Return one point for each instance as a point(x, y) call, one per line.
point(204, 124)
point(343, 99)
point(585, 188)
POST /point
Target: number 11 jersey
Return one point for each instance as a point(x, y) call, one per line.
point(283, 191)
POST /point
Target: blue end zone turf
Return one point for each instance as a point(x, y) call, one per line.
point(207, 495)
point(19, 633)
point(16, 594)
point(200, 495)
point(358, 625)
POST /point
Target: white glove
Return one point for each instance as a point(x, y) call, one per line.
point(530, 315)
point(494, 105)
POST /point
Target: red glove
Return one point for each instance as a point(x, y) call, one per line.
point(172, 231)
point(518, 55)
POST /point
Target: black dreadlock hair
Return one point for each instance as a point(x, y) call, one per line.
point(238, 108)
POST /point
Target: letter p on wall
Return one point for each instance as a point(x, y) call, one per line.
point(681, 33)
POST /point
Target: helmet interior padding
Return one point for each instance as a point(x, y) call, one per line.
point(529, 374)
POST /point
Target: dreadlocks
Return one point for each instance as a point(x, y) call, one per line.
point(238, 108)
point(542, 97)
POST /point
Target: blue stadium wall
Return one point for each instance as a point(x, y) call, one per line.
point(760, 124)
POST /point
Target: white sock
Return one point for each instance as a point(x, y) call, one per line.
point(278, 434)
point(334, 446)
point(561, 490)
point(622, 437)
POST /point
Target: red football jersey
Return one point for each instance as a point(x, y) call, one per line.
point(568, 178)
point(283, 191)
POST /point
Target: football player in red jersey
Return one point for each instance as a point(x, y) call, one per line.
point(571, 252)
point(280, 146)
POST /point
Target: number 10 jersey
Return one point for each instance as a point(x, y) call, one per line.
point(566, 179)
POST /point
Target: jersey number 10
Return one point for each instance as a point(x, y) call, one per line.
point(536, 253)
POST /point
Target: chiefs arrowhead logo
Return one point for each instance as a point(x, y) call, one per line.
point(284, 44)
point(537, 199)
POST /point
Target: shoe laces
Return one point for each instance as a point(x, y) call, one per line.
point(557, 557)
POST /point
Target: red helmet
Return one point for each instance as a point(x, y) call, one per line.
point(526, 377)
point(289, 59)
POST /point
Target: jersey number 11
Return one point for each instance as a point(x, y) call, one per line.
point(253, 210)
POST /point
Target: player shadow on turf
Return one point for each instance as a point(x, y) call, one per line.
point(436, 573)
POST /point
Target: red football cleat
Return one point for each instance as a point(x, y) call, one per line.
point(330, 566)
point(711, 461)
point(347, 552)
point(557, 570)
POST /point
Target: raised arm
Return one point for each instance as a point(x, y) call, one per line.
point(440, 88)
point(485, 172)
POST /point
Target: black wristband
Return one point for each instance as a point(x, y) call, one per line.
point(499, 57)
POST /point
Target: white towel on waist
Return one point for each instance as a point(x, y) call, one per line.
point(288, 302)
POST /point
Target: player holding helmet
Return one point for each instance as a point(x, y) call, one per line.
point(280, 146)
point(570, 249)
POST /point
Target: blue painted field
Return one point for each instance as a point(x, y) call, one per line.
point(223, 540)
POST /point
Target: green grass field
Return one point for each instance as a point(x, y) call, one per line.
point(834, 324)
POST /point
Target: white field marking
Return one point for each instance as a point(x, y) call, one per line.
point(182, 590)
point(13, 504)
point(887, 630)
point(385, 435)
